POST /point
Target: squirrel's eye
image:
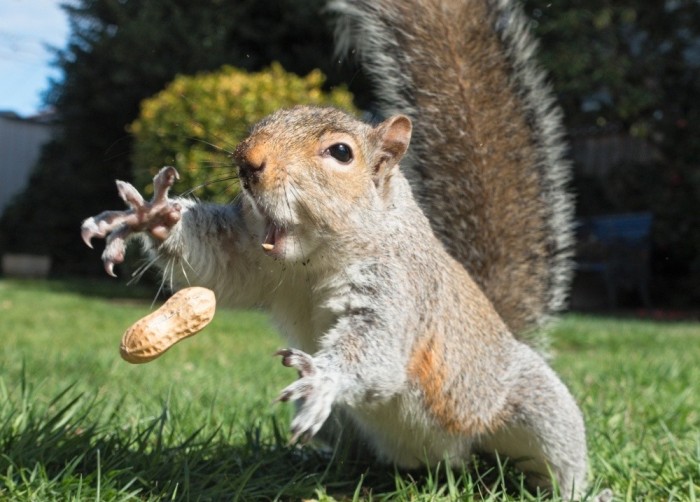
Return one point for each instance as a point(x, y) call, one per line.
point(340, 152)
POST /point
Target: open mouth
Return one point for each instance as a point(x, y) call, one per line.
point(275, 238)
point(275, 233)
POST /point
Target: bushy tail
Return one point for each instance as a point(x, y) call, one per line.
point(487, 161)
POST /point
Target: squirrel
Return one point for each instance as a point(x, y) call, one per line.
point(408, 280)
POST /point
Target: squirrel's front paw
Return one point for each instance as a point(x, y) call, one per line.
point(156, 217)
point(315, 390)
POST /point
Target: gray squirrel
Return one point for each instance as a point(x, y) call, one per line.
point(408, 295)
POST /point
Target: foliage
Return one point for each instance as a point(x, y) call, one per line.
point(197, 120)
point(626, 62)
point(78, 423)
point(635, 67)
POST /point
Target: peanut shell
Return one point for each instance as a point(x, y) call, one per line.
point(184, 314)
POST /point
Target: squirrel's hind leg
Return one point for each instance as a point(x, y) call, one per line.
point(543, 433)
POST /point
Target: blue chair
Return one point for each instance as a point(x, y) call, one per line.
point(617, 247)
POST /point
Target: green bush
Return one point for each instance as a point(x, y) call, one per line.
point(195, 123)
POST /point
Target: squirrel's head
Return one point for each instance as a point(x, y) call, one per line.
point(311, 174)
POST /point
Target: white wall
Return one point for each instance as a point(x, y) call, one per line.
point(20, 146)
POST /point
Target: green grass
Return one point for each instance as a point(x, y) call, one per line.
point(78, 423)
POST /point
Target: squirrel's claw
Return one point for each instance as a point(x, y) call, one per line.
point(162, 182)
point(299, 436)
point(294, 391)
point(109, 268)
point(115, 249)
point(88, 230)
point(104, 224)
point(112, 225)
point(128, 193)
point(315, 390)
point(301, 361)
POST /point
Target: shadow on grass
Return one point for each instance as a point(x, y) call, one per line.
point(62, 449)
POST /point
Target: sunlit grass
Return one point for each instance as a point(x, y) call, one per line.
point(78, 423)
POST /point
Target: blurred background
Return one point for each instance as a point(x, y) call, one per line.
point(137, 85)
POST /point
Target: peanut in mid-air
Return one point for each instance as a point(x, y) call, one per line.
point(184, 314)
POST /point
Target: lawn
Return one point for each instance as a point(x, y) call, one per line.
point(78, 423)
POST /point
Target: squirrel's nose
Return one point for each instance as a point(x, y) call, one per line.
point(250, 172)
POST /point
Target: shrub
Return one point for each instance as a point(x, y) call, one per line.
point(196, 121)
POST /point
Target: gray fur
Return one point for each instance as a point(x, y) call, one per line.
point(392, 337)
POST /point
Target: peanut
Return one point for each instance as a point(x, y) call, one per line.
point(184, 314)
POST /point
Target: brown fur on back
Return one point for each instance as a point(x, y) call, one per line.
point(489, 174)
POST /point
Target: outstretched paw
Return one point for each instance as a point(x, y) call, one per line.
point(315, 390)
point(156, 217)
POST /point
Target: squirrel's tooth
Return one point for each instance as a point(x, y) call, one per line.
point(267, 246)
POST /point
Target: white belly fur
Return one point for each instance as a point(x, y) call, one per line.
point(402, 434)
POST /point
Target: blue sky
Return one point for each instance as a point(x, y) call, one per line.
point(26, 26)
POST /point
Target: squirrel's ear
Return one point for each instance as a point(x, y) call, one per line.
point(392, 139)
